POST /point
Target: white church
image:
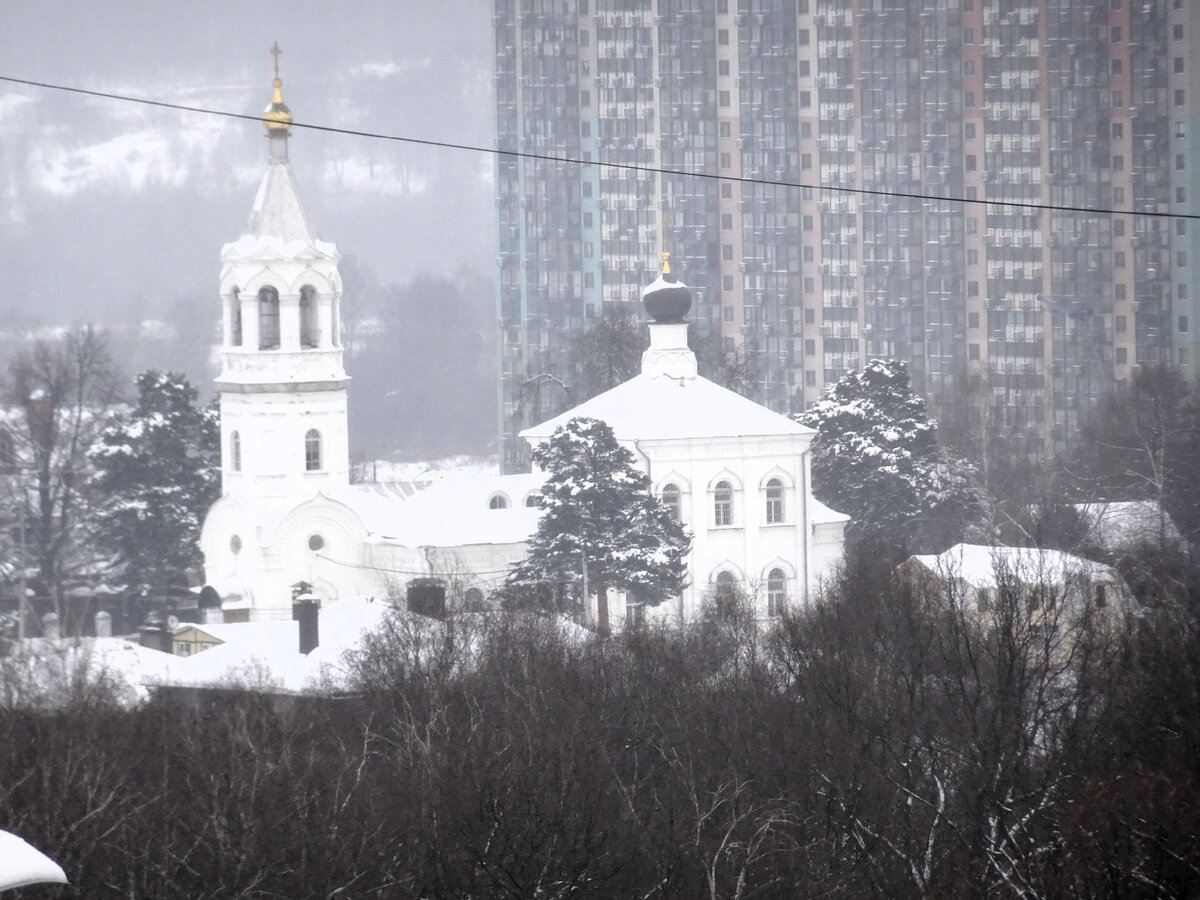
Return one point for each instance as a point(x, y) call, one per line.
point(736, 473)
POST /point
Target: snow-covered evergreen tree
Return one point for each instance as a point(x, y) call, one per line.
point(877, 458)
point(158, 472)
point(600, 513)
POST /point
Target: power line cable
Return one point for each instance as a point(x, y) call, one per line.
point(420, 573)
point(627, 167)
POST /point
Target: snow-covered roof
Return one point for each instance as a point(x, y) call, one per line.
point(278, 210)
point(246, 632)
point(1121, 524)
point(455, 512)
point(46, 673)
point(661, 407)
point(981, 566)
point(820, 514)
point(379, 504)
point(266, 655)
point(21, 864)
point(279, 226)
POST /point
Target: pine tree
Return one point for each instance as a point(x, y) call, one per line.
point(600, 516)
point(158, 472)
point(877, 458)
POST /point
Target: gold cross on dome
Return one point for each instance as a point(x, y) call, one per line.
point(275, 52)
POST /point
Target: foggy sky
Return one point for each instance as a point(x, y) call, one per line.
point(112, 211)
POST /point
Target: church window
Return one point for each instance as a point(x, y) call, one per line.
point(309, 330)
point(268, 319)
point(774, 501)
point(531, 499)
point(312, 451)
point(235, 451)
point(235, 320)
point(671, 498)
point(723, 504)
point(316, 542)
point(776, 592)
point(498, 501)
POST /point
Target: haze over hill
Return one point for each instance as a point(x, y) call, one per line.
point(115, 212)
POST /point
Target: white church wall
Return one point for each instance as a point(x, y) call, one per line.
point(272, 428)
point(750, 546)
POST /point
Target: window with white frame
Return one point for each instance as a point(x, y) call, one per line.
point(776, 592)
point(672, 500)
point(312, 451)
point(774, 501)
point(235, 452)
point(723, 504)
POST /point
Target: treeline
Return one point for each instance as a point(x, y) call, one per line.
point(881, 742)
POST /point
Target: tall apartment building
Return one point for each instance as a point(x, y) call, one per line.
point(962, 184)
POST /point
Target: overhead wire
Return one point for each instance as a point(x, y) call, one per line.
point(627, 167)
point(367, 567)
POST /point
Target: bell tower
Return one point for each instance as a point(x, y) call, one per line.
point(282, 385)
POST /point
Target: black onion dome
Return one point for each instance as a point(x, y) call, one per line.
point(667, 300)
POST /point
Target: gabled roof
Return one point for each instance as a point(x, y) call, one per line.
point(662, 407)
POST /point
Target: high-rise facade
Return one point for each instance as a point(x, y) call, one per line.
point(995, 191)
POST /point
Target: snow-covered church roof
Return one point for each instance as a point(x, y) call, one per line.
point(278, 221)
point(669, 400)
point(455, 511)
point(278, 211)
point(665, 407)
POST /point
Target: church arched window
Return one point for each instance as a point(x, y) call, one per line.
point(723, 504)
point(776, 592)
point(498, 501)
point(671, 498)
point(235, 451)
point(774, 501)
point(235, 319)
point(268, 319)
point(312, 451)
point(310, 334)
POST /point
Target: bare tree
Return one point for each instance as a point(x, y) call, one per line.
point(609, 352)
point(954, 731)
point(61, 394)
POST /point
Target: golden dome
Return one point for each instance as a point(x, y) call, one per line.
point(277, 116)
